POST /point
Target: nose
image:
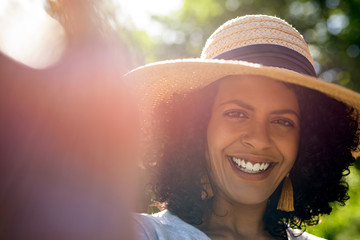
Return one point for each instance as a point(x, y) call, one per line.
point(256, 135)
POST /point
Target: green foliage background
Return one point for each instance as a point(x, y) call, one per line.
point(344, 222)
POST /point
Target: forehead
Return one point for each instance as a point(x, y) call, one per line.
point(256, 90)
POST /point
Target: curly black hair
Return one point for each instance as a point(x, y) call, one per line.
point(329, 134)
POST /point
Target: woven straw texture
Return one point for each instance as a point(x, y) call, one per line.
point(254, 29)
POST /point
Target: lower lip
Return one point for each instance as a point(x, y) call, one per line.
point(251, 176)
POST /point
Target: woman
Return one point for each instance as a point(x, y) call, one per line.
point(246, 142)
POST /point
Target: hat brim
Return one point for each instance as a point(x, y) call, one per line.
point(156, 82)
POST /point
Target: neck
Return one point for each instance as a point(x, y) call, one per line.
point(229, 220)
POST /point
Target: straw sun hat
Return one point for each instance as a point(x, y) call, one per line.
point(252, 45)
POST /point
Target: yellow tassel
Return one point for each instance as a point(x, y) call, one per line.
point(286, 201)
point(207, 191)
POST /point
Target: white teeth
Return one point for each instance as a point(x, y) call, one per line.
point(262, 166)
point(243, 164)
point(248, 167)
point(256, 167)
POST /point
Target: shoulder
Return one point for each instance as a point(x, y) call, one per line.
point(296, 234)
point(165, 225)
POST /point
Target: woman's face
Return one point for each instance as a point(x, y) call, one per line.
point(252, 137)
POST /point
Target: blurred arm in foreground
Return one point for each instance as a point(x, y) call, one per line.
point(67, 145)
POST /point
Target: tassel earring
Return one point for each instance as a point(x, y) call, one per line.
point(286, 201)
point(207, 191)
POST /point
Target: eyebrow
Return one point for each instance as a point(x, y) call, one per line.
point(239, 103)
point(249, 107)
point(286, 111)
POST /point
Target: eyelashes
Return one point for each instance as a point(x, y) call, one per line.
point(284, 122)
point(240, 114)
point(235, 114)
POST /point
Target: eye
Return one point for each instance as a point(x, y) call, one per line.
point(284, 122)
point(235, 114)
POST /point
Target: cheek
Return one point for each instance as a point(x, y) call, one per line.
point(213, 150)
point(216, 143)
point(213, 139)
point(219, 134)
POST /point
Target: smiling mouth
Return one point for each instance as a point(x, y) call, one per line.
point(249, 167)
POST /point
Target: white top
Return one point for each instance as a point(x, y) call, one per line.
point(166, 226)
